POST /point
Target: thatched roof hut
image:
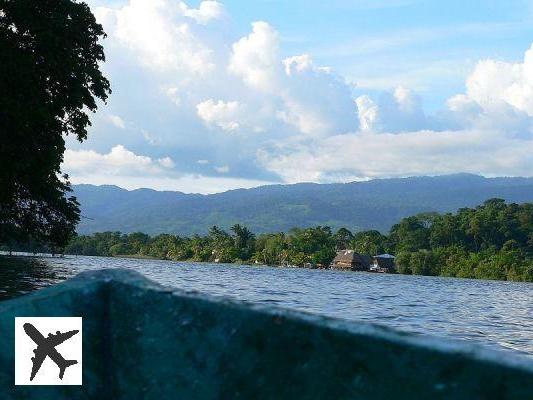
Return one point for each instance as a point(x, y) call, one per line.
point(349, 259)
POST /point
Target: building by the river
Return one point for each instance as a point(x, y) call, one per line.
point(351, 260)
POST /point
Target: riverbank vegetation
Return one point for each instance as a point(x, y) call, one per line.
point(492, 241)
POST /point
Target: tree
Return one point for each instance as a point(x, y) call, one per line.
point(315, 245)
point(271, 249)
point(137, 240)
point(423, 262)
point(446, 231)
point(49, 81)
point(222, 245)
point(369, 242)
point(403, 263)
point(411, 234)
point(199, 248)
point(343, 237)
point(243, 241)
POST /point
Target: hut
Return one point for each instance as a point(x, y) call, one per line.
point(383, 263)
point(350, 260)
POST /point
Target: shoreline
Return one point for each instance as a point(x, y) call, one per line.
point(126, 257)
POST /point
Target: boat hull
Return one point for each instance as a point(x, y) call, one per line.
point(144, 341)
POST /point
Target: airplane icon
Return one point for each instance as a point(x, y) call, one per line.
point(47, 347)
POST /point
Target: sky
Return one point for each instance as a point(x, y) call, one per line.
point(210, 96)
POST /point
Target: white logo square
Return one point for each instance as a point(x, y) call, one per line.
point(48, 351)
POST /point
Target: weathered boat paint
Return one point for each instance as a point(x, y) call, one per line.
point(145, 341)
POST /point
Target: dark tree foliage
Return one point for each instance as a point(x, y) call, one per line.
point(343, 237)
point(49, 81)
point(491, 241)
point(244, 241)
point(370, 242)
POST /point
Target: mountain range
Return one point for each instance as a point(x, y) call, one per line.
point(375, 204)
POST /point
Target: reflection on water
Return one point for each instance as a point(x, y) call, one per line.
point(492, 313)
point(20, 275)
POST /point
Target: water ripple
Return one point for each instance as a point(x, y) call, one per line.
point(491, 313)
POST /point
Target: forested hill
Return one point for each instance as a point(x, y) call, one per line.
point(376, 204)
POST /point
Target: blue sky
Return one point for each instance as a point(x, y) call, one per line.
point(427, 45)
point(209, 96)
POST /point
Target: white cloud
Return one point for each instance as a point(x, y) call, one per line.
point(116, 121)
point(225, 115)
point(173, 94)
point(493, 82)
point(315, 101)
point(151, 139)
point(268, 94)
point(488, 130)
point(399, 111)
point(186, 183)
point(183, 77)
point(222, 170)
point(131, 171)
point(368, 112)
point(166, 162)
point(297, 64)
point(310, 99)
point(255, 58)
point(160, 34)
point(207, 11)
point(463, 104)
point(233, 116)
point(119, 161)
point(499, 96)
point(362, 156)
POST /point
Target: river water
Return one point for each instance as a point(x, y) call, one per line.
point(491, 313)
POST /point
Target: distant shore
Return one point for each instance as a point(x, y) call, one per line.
point(492, 241)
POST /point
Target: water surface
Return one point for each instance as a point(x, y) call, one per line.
point(491, 313)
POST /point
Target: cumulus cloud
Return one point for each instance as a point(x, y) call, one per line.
point(368, 112)
point(255, 58)
point(493, 82)
point(186, 78)
point(315, 100)
point(499, 95)
point(161, 33)
point(397, 111)
point(166, 162)
point(119, 161)
point(233, 116)
point(207, 11)
point(310, 99)
point(487, 130)
point(116, 121)
point(362, 156)
point(270, 94)
point(222, 114)
point(131, 171)
point(297, 64)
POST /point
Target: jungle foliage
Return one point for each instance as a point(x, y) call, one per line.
point(492, 241)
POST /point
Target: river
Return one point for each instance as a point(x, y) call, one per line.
point(494, 314)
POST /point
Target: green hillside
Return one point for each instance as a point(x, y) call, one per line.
point(376, 204)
